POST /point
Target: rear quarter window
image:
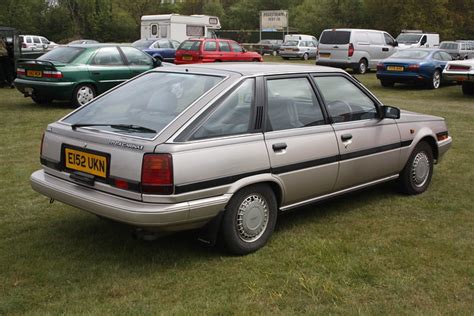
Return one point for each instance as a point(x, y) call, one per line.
point(335, 37)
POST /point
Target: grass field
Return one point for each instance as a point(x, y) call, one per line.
point(372, 252)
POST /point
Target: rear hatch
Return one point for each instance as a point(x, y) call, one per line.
point(189, 52)
point(334, 45)
point(290, 47)
point(104, 144)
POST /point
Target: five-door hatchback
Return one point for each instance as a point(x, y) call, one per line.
point(230, 145)
point(78, 73)
point(209, 50)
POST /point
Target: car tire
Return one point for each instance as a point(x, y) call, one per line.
point(274, 53)
point(285, 58)
point(361, 67)
point(416, 175)
point(387, 83)
point(468, 88)
point(41, 99)
point(82, 94)
point(305, 56)
point(249, 219)
point(435, 81)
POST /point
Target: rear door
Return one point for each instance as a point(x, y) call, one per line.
point(369, 146)
point(334, 45)
point(108, 68)
point(225, 53)
point(301, 144)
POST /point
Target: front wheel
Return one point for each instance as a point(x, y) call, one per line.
point(249, 219)
point(416, 176)
point(435, 81)
point(82, 94)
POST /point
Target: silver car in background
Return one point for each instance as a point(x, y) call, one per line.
point(231, 145)
point(299, 46)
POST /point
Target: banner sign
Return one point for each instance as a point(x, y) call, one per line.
point(274, 20)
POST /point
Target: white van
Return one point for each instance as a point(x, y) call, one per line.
point(299, 46)
point(178, 27)
point(358, 49)
point(417, 38)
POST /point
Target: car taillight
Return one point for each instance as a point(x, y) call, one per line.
point(23, 45)
point(351, 50)
point(41, 145)
point(52, 74)
point(296, 50)
point(380, 67)
point(157, 174)
point(458, 67)
point(442, 136)
point(413, 67)
point(20, 72)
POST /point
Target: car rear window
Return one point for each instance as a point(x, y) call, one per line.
point(151, 101)
point(62, 54)
point(190, 45)
point(335, 37)
point(411, 54)
point(409, 38)
point(290, 43)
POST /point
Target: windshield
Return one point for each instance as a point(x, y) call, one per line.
point(411, 54)
point(290, 43)
point(150, 102)
point(142, 44)
point(409, 38)
point(62, 54)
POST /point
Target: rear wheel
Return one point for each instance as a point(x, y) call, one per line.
point(285, 58)
point(361, 67)
point(249, 219)
point(82, 94)
point(387, 83)
point(435, 81)
point(41, 99)
point(305, 56)
point(468, 88)
point(416, 176)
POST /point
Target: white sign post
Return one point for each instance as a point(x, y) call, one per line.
point(273, 21)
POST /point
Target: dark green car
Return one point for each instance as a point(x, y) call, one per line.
point(79, 72)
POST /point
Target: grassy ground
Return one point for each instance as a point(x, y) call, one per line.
point(373, 252)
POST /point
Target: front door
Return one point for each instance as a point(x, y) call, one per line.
point(369, 147)
point(108, 68)
point(300, 142)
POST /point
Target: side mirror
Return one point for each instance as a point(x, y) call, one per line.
point(244, 50)
point(395, 43)
point(390, 112)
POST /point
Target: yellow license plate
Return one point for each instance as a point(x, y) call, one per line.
point(86, 162)
point(187, 57)
point(34, 73)
point(324, 55)
point(394, 68)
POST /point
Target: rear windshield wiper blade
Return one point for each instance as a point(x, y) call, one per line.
point(118, 126)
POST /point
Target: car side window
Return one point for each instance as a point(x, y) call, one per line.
point(135, 57)
point(344, 100)
point(28, 40)
point(107, 56)
point(224, 47)
point(210, 46)
point(175, 44)
point(165, 44)
point(44, 41)
point(156, 45)
point(232, 115)
point(292, 103)
point(437, 56)
point(36, 40)
point(236, 47)
point(388, 39)
point(446, 56)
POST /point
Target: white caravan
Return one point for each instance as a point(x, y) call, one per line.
point(178, 27)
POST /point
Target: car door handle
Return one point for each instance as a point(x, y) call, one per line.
point(385, 49)
point(96, 73)
point(279, 146)
point(335, 46)
point(346, 137)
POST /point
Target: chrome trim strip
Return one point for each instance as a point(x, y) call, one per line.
point(326, 196)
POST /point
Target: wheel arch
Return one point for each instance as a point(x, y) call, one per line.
point(433, 144)
point(267, 179)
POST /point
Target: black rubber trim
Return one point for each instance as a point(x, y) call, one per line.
point(56, 165)
point(305, 164)
point(375, 150)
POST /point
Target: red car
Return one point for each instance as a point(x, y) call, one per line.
point(209, 50)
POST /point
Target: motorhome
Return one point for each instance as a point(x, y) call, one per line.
point(178, 27)
point(417, 38)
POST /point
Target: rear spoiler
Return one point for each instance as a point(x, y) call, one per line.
point(46, 64)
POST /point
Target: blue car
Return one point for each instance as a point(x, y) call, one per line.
point(413, 65)
point(159, 48)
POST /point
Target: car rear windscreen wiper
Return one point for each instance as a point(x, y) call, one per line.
point(118, 126)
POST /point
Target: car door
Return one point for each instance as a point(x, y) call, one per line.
point(377, 49)
point(301, 144)
point(369, 147)
point(225, 54)
point(137, 61)
point(108, 68)
point(239, 54)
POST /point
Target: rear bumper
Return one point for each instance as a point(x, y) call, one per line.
point(460, 77)
point(165, 217)
point(53, 90)
point(411, 77)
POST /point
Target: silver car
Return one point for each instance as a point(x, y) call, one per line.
point(228, 146)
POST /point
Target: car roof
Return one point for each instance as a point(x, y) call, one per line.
point(249, 69)
point(96, 45)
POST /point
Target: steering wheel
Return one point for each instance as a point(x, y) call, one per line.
point(340, 111)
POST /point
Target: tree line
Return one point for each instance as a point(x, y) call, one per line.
point(119, 21)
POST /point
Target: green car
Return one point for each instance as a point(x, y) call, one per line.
point(80, 72)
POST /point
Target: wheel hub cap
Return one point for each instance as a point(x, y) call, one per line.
point(436, 80)
point(84, 95)
point(252, 218)
point(420, 169)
